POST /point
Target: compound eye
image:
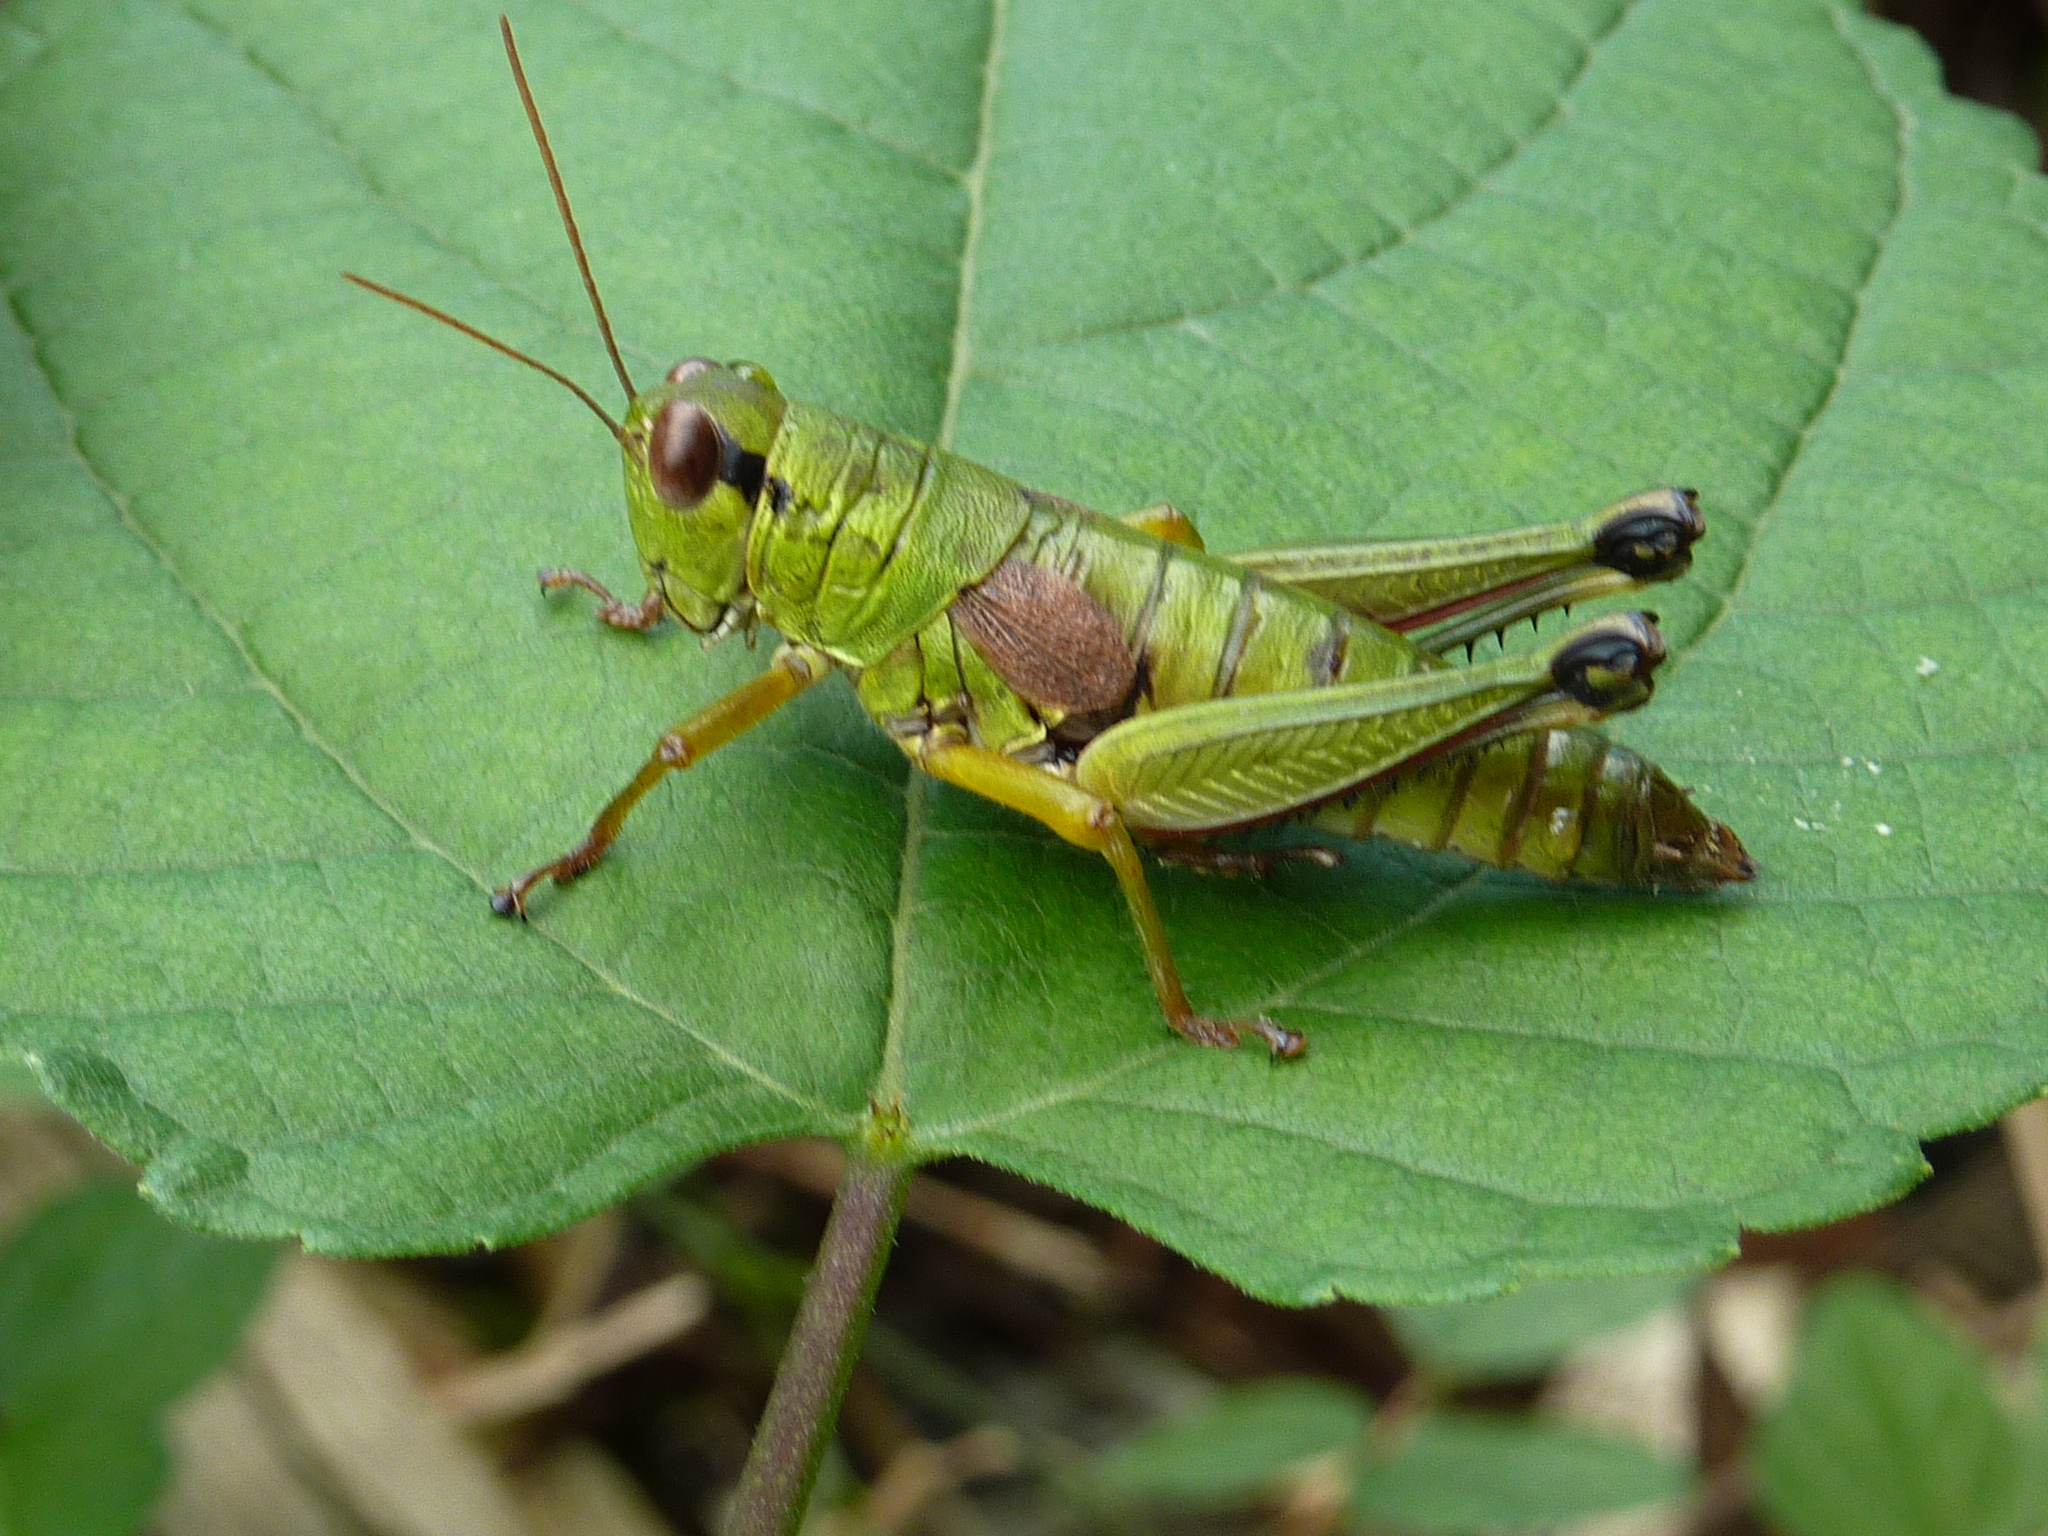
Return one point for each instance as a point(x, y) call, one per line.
point(689, 368)
point(683, 454)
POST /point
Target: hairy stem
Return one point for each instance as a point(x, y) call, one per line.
point(823, 1344)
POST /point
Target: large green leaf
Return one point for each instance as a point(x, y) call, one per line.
point(280, 702)
point(108, 1314)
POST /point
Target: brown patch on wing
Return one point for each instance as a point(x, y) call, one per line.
point(1047, 638)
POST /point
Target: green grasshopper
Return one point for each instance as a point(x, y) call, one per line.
point(1114, 681)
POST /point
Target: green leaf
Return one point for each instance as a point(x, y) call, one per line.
point(278, 701)
point(1888, 1428)
point(1481, 1472)
point(1524, 1333)
point(107, 1316)
point(1236, 1447)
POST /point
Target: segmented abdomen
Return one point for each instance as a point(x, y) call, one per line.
point(1560, 804)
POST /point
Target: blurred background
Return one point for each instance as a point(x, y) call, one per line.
point(1035, 1366)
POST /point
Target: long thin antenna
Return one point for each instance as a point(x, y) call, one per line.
point(547, 158)
point(496, 345)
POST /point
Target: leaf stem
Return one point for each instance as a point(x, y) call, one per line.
point(789, 1442)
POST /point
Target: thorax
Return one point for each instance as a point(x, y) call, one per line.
point(861, 537)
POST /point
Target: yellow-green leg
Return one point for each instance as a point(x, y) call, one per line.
point(790, 671)
point(1088, 821)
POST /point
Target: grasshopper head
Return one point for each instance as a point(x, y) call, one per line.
point(696, 446)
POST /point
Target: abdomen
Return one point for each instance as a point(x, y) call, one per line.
point(1527, 802)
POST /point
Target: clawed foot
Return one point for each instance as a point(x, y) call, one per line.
point(510, 900)
point(1227, 1034)
point(643, 615)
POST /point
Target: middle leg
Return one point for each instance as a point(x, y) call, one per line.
point(1087, 821)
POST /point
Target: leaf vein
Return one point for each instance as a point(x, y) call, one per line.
point(1903, 127)
point(1589, 50)
point(1412, 1167)
point(741, 87)
point(381, 194)
point(125, 513)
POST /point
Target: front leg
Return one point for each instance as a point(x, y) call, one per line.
point(618, 613)
point(790, 671)
point(1090, 822)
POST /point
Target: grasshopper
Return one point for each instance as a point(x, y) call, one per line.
point(1114, 681)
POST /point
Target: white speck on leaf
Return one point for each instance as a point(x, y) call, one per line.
point(1884, 829)
point(1927, 666)
point(1875, 768)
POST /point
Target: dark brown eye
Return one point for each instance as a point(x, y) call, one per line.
point(689, 368)
point(683, 454)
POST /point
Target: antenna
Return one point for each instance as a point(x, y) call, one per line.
point(496, 345)
point(547, 158)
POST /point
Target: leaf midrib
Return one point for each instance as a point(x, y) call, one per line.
point(889, 1087)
